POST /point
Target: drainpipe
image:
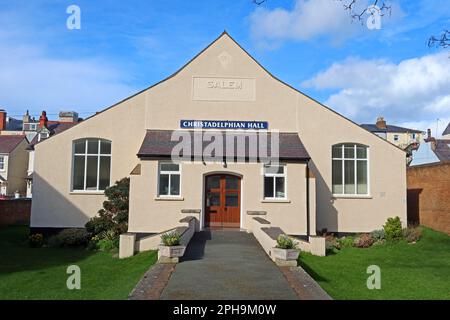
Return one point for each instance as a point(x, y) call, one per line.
point(307, 200)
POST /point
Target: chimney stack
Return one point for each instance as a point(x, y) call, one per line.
point(68, 116)
point(381, 123)
point(429, 134)
point(2, 119)
point(26, 118)
point(43, 120)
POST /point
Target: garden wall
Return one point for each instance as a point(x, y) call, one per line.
point(15, 212)
point(429, 196)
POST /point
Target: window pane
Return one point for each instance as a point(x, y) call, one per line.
point(361, 152)
point(105, 169)
point(274, 169)
point(78, 173)
point(268, 187)
point(213, 199)
point(80, 146)
point(213, 182)
point(91, 173)
point(349, 151)
point(349, 169)
point(337, 151)
point(93, 146)
point(231, 183)
point(279, 187)
point(175, 184)
point(164, 184)
point(337, 177)
point(105, 147)
point(169, 167)
point(231, 200)
point(362, 177)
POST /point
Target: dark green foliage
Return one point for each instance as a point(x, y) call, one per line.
point(36, 240)
point(346, 242)
point(114, 215)
point(70, 238)
point(379, 235)
point(393, 229)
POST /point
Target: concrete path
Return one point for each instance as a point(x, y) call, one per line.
point(226, 265)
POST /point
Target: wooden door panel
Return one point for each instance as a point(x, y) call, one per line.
point(223, 198)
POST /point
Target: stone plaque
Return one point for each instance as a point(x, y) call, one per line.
point(223, 89)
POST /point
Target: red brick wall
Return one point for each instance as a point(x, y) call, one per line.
point(15, 212)
point(429, 196)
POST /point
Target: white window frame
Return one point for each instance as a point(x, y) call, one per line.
point(396, 137)
point(170, 173)
point(355, 159)
point(3, 163)
point(86, 154)
point(40, 136)
point(275, 175)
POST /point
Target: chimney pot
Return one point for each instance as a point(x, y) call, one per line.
point(381, 123)
point(43, 120)
point(2, 119)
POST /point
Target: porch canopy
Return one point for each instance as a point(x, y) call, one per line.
point(161, 143)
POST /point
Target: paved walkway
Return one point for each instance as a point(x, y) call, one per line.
point(226, 265)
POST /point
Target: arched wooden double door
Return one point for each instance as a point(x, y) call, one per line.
point(222, 201)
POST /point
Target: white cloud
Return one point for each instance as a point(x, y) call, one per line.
point(31, 78)
point(308, 19)
point(412, 91)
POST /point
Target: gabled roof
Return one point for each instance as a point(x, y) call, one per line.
point(158, 143)
point(9, 142)
point(54, 127)
point(442, 150)
point(447, 130)
point(224, 33)
point(389, 128)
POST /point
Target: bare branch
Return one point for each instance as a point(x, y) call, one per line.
point(258, 2)
point(442, 41)
point(357, 13)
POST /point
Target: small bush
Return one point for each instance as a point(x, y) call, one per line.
point(346, 242)
point(70, 238)
point(99, 224)
point(107, 244)
point(364, 240)
point(36, 240)
point(171, 239)
point(285, 242)
point(378, 235)
point(332, 243)
point(393, 229)
point(412, 234)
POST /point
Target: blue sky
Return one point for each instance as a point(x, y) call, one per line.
point(313, 45)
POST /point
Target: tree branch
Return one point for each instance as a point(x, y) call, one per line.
point(442, 41)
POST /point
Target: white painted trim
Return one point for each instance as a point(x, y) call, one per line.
point(275, 175)
point(170, 173)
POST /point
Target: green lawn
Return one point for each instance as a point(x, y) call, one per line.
point(408, 271)
point(40, 273)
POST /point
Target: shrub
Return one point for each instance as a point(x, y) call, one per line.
point(332, 243)
point(97, 225)
point(108, 244)
point(378, 235)
point(171, 239)
point(70, 238)
point(412, 234)
point(36, 240)
point(364, 240)
point(114, 215)
point(393, 229)
point(285, 242)
point(346, 242)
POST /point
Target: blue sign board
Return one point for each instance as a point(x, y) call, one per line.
point(224, 125)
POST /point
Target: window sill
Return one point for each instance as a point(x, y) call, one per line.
point(276, 201)
point(87, 193)
point(169, 198)
point(349, 196)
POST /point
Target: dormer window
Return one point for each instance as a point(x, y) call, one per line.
point(43, 136)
